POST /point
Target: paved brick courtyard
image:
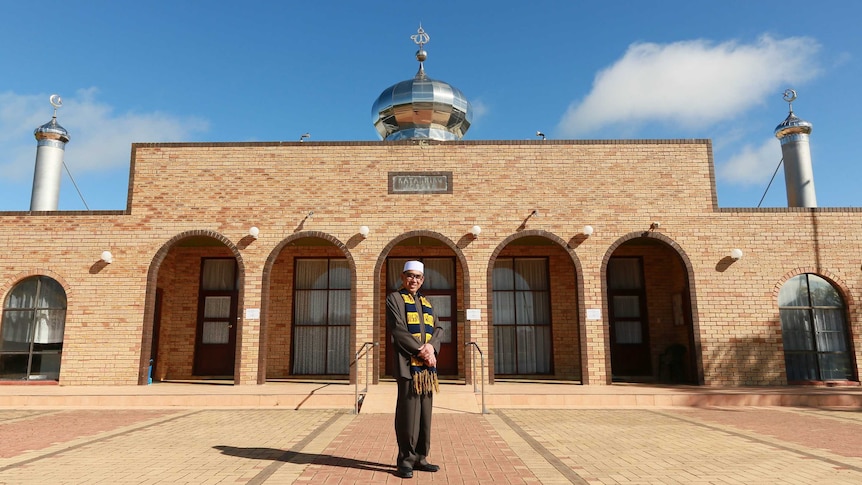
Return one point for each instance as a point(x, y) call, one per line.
point(509, 446)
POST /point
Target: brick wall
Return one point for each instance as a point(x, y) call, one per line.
point(618, 187)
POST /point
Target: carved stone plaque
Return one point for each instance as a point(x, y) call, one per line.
point(420, 182)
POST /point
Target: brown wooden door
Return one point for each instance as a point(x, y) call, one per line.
point(215, 341)
point(629, 328)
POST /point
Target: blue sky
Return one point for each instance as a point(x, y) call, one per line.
point(223, 71)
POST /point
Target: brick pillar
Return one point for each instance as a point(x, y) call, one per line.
point(249, 320)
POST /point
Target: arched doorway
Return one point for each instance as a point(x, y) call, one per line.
point(651, 335)
point(310, 317)
point(535, 309)
point(198, 279)
point(444, 287)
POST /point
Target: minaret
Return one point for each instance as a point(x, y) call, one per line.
point(798, 174)
point(51, 141)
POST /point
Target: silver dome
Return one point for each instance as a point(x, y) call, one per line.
point(52, 131)
point(421, 108)
point(792, 125)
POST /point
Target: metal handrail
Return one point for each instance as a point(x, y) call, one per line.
point(367, 373)
point(482, 369)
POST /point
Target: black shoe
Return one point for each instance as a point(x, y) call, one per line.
point(404, 472)
point(426, 467)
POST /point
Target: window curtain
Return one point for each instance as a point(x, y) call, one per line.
point(43, 318)
point(219, 275)
point(216, 332)
point(814, 330)
point(624, 274)
point(33, 324)
point(439, 274)
point(50, 325)
point(522, 316)
point(17, 330)
point(322, 315)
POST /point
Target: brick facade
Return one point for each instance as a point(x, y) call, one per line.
point(188, 201)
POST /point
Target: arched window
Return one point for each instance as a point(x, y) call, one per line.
point(814, 330)
point(31, 332)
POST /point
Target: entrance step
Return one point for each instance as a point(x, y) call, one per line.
point(380, 399)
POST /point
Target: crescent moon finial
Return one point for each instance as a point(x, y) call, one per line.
point(56, 102)
point(790, 97)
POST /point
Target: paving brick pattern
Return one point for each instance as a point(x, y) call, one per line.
point(25, 431)
point(467, 446)
point(512, 446)
point(638, 446)
point(190, 447)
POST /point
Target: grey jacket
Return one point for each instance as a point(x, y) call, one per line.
point(405, 344)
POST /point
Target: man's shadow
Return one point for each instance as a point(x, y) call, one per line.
point(298, 458)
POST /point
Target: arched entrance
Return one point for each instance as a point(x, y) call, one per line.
point(651, 334)
point(534, 303)
point(309, 321)
point(195, 290)
point(444, 287)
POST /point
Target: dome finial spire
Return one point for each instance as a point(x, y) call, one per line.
point(790, 97)
point(421, 38)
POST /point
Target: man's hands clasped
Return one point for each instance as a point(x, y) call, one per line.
point(426, 353)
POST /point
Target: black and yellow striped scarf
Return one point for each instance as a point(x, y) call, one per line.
point(424, 377)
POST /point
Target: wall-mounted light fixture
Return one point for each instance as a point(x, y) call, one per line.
point(736, 254)
point(540, 134)
point(475, 231)
point(364, 231)
point(107, 257)
point(304, 136)
point(655, 225)
point(254, 232)
point(588, 230)
point(533, 213)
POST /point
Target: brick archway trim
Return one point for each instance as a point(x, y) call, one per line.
point(579, 282)
point(150, 299)
point(381, 260)
point(692, 293)
point(265, 296)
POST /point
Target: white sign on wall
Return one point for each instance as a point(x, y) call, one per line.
point(594, 313)
point(252, 313)
point(474, 314)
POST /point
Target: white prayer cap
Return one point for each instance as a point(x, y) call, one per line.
point(414, 266)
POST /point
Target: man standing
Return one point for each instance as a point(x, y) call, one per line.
point(416, 337)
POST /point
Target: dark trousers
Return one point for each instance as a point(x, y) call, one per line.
point(412, 424)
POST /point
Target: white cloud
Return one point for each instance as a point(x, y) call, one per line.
point(480, 109)
point(690, 83)
point(753, 165)
point(100, 138)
